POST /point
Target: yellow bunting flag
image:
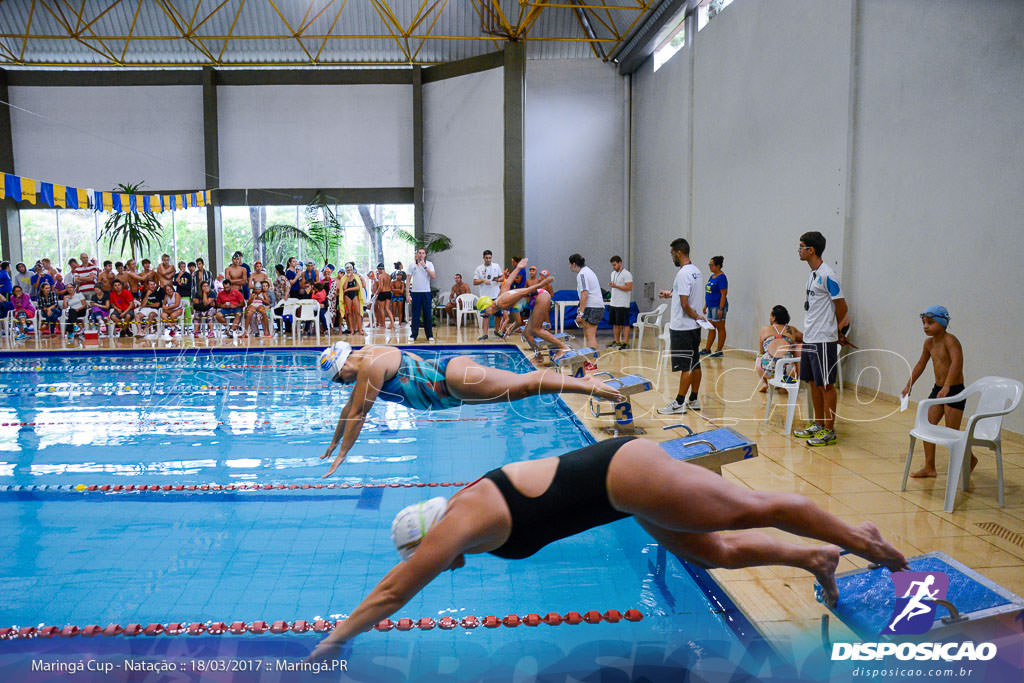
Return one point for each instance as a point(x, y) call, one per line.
point(201, 199)
point(3, 183)
point(28, 190)
point(207, 194)
point(83, 198)
point(60, 196)
point(108, 201)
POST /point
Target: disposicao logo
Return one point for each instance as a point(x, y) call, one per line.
point(917, 594)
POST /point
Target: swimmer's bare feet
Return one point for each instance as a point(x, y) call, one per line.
point(823, 563)
point(878, 550)
point(925, 472)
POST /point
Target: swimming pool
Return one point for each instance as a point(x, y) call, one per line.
point(231, 527)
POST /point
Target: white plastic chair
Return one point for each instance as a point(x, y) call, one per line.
point(307, 311)
point(664, 342)
point(465, 306)
point(650, 319)
point(778, 381)
point(999, 396)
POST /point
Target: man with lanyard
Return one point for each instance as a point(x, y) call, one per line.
point(825, 313)
point(420, 275)
point(590, 310)
point(621, 284)
point(199, 277)
point(686, 298)
point(488, 278)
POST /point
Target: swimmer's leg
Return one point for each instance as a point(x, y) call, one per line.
point(690, 498)
point(474, 383)
point(750, 549)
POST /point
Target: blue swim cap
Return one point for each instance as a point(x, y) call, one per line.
point(937, 313)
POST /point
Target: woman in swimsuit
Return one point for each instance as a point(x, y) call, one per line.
point(514, 511)
point(779, 340)
point(352, 289)
point(392, 374)
point(541, 311)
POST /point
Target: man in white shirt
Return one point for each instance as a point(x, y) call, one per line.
point(621, 285)
point(687, 295)
point(591, 307)
point(420, 275)
point(488, 278)
point(825, 313)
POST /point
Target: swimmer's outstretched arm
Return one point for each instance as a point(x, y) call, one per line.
point(437, 552)
point(353, 415)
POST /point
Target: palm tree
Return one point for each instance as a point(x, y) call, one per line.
point(137, 229)
point(322, 237)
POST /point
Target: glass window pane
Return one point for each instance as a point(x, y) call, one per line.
point(39, 236)
point(77, 233)
point(190, 230)
point(279, 251)
point(237, 232)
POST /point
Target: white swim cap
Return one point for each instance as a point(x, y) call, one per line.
point(333, 358)
point(413, 522)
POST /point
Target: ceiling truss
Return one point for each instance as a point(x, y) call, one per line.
point(298, 32)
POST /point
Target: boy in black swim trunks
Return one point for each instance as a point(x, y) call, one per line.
point(947, 359)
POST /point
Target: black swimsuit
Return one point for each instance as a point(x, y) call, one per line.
point(576, 500)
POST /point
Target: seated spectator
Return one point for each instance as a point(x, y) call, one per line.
point(6, 282)
point(204, 305)
point(22, 310)
point(77, 306)
point(59, 286)
point(122, 308)
point(99, 308)
point(48, 303)
point(259, 302)
point(173, 307)
point(23, 278)
point(458, 289)
point(309, 278)
point(778, 340)
point(320, 296)
point(150, 307)
point(218, 284)
point(229, 305)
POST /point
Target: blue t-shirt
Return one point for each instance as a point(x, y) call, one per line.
point(290, 274)
point(39, 280)
point(713, 290)
point(5, 282)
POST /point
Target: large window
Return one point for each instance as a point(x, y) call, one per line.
point(370, 233)
point(365, 245)
point(708, 10)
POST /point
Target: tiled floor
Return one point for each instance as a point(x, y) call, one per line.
point(858, 479)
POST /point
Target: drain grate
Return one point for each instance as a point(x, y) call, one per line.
point(1002, 532)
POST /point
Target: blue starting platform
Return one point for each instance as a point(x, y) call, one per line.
point(711, 449)
point(973, 605)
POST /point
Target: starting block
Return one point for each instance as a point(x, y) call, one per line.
point(973, 607)
point(710, 449)
point(628, 385)
point(574, 360)
point(563, 337)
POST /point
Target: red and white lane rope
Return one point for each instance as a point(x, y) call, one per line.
point(163, 488)
point(217, 628)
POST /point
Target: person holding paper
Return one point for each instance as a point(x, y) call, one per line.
point(684, 328)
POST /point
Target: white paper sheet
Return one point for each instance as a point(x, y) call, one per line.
point(904, 402)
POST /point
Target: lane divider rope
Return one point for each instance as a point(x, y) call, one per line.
point(160, 366)
point(217, 628)
point(163, 488)
point(197, 423)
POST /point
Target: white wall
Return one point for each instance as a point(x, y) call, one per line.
point(100, 136)
point(315, 136)
point(899, 137)
point(939, 183)
point(660, 162)
point(770, 108)
point(574, 150)
point(463, 156)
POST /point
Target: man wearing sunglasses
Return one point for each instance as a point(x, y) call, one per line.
point(825, 312)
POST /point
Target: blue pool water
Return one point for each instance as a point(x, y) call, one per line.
point(265, 417)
